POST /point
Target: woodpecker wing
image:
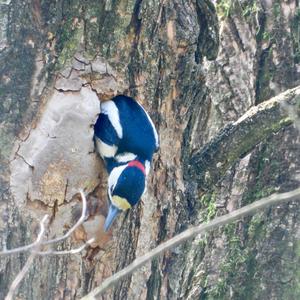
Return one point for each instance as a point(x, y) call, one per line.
point(139, 135)
point(106, 137)
point(153, 128)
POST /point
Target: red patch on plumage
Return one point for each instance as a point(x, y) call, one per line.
point(137, 164)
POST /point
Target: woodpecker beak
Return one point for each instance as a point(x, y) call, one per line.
point(112, 214)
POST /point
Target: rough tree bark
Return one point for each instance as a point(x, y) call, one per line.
point(195, 75)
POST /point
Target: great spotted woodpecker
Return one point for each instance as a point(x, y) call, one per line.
point(126, 139)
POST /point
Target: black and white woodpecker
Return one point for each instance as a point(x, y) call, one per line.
point(126, 139)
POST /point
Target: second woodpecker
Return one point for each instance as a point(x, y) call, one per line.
point(126, 139)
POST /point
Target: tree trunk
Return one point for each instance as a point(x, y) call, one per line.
point(196, 69)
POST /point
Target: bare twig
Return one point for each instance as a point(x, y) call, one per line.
point(52, 241)
point(29, 261)
point(64, 252)
point(27, 247)
point(35, 247)
point(189, 234)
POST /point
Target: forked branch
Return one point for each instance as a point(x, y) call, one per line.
point(34, 247)
point(29, 261)
point(56, 240)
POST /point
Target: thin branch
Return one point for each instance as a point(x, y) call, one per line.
point(56, 240)
point(29, 261)
point(27, 247)
point(235, 140)
point(35, 247)
point(191, 233)
point(64, 252)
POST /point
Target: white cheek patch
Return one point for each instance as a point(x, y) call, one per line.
point(125, 157)
point(110, 109)
point(105, 150)
point(113, 178)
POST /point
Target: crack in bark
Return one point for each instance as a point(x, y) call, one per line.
point(262, 60)
point(67, 90)
point(25, 161)
point(208, 37)
point(158, 20)
point(234, 30)
point(66, 189)
point(135, 25)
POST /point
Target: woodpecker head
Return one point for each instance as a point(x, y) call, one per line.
point(126, 184)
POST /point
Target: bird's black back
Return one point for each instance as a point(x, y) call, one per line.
point(138, 133)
